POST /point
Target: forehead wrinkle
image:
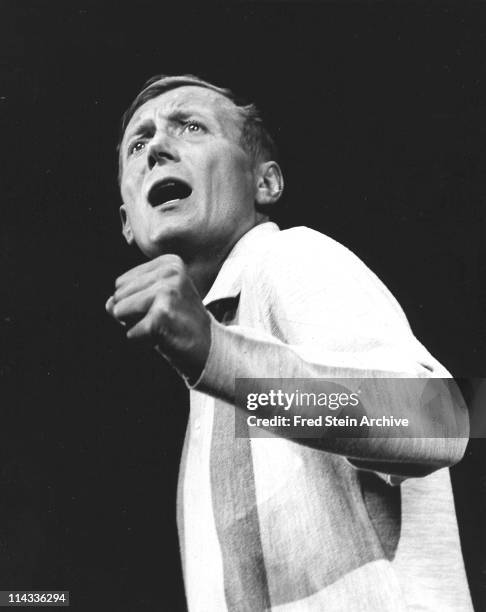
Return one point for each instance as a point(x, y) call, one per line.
point(191, 98)
point(138, 127)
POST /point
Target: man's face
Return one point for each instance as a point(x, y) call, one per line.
point(186, 182)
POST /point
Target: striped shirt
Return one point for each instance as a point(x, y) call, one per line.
point(267, 524)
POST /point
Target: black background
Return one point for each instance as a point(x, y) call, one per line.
point(379, 110)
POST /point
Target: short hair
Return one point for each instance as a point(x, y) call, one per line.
point(256, 140)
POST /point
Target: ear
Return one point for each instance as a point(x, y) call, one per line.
point(270, 183)
point(126, 227)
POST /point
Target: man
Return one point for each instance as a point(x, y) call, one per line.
point(271, 523)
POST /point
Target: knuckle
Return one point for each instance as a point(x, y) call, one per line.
point(172, 294)
point(172, 264)
point(162, 314)
point(167, 290)
point(160, 307)
point(173, 258)
point(160, 286)
point(173, 270)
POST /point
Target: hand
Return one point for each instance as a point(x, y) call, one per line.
point(160, 305)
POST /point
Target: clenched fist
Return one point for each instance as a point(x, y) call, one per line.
point(160, 305)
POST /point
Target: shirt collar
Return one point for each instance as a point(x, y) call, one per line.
point(228, 282)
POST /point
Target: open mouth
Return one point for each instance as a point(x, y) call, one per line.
point(168, 190)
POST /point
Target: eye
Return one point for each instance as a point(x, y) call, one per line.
point(136, 146)
point(193, 127)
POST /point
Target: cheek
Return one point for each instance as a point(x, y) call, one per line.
point(242, 183)
point(132, 178)
point(230, 174)
point(128, 191)
point(127, 200)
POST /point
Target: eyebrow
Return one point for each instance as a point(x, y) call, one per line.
point(145, 125)
point(142, 127)
point(184, 112)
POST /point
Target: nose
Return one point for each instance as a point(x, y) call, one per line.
point(161, 149)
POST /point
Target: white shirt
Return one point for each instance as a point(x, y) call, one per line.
point(270, 524)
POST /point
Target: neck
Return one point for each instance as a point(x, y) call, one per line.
point(203, 268)
point(204, 273)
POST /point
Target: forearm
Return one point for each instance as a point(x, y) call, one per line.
point(434, 438)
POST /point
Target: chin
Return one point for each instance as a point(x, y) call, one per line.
point(169, 238)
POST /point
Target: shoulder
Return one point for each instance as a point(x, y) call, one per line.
point(300, 247)
point(299, 236)
point(300, 258)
